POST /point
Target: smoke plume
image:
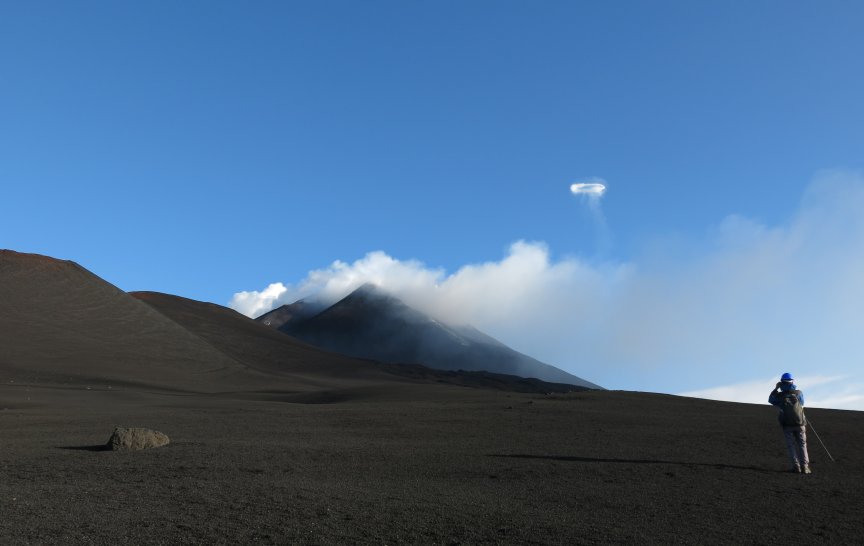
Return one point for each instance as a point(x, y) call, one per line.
point(740, 305)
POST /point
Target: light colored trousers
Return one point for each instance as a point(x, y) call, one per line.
point(796, 442)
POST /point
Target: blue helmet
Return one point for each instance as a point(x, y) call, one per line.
point(787, 377)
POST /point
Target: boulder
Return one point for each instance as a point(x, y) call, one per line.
point(134, 439)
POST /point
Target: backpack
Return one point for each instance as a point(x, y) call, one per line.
point(791, 411)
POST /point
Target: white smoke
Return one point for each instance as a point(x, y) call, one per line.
point(253, 304)
point(589, 192)
point(744, 302)
point(340, 279)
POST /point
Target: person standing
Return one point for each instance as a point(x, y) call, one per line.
point(790, 401)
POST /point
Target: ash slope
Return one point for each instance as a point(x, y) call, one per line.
point(61, 324)
point(369, 323)
point(446, 466)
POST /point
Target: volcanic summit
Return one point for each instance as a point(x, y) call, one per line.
point(371, 323)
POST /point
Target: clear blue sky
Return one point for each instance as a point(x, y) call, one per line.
point(204, 148)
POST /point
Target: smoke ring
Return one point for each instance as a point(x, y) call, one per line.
point(588, 188)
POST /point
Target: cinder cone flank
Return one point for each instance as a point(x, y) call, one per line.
point(59, 323)
point(256, 345)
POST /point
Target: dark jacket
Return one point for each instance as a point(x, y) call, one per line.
point(776, 396)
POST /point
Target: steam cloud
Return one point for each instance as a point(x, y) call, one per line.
point(590, 191)
point(720, 317)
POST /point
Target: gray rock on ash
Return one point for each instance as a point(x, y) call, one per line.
point(134, 439)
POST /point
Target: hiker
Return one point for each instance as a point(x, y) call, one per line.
point(790, 400)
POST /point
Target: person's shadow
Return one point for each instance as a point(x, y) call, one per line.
point(576, 459)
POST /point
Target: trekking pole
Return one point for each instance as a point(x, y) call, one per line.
point(809, 422)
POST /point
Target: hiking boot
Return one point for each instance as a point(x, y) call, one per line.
point(807, 469)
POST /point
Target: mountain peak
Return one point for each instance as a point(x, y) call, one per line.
point(369, 290)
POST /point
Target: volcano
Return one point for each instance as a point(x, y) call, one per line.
point(370, 323)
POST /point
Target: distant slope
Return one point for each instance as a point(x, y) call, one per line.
point(59, 323)
point(255, 344)
point(269, 350)
point(370, 323)
point(284, 316)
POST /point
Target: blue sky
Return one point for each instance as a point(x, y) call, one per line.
point(209, 148)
